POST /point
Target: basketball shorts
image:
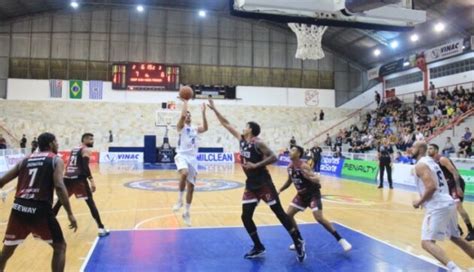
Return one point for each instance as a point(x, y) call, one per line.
point(311, 200)
point(453, 192)
point(30, 217)
point(78, 187)
point(440, 224)
point(266, 192)
point(188, 162)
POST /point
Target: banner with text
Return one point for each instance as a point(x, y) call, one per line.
point(331, 166)
point(444, 51)
point(112, 157)
point(225, 157)
point(283, 160)
point(366, 170)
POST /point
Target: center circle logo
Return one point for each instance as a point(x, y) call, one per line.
point(171, 185)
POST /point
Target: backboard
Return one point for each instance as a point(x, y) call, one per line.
point(390, 15)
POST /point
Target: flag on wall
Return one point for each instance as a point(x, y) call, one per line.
point(95, 89)
point(75, 89)
point(55, 88)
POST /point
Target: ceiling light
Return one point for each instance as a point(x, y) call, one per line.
point(439, 27)
point(394, 44)
point(140, 8)
point(74, 4)
point(377, 52)
point(202, 13)
point(414, 37)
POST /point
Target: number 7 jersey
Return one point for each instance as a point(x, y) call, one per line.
point(35, 180)
point(441, 197)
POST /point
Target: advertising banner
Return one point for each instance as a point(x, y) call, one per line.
point(444, 51)
point(225, 157)
point(331, 166)
point(3, 164)
point(111, 157)
point(468, 176)
point(283, 160)
point(12, 160)
point(403, 174)
point(366, 170)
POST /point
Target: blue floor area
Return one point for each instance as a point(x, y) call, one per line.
point(222, 249)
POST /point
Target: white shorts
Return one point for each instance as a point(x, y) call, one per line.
point(187, 162)
point(440, 224)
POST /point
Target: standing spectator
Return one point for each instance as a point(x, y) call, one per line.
point(316, 151)
point(385, 152)
point(328, 140)
point(432, 90)
point(467, 135)
point(321, 115)
point(292, 142)
point(23, 142)
point(111, 136)
point(377, 98)
point(448, 147)
point(315, 118)
point(3, 142)
point(34, 145)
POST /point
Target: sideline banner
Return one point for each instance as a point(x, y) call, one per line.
point(468, 176)
point(12, 160)
point(3, 164)
point(402, 174)
point(366, 170)
point(283, 160)
point(331, 166)
point(225, 157)
point(111, 157)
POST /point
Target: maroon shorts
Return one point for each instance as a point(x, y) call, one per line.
point(266, 193)
point(311, 200)
point(78, 187)
point(28, 217)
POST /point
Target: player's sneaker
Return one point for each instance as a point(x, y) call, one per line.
point(103, 232)
point(291, 247)
point(177, 206)
point(470, 236)
point(300, 251)
point(255, 252)
point(187, 219)
point(345, 245)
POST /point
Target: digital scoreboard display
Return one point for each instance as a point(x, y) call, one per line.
point(144, 76)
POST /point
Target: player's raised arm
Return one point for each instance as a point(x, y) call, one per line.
point(204, 126)
point(10, 175)
point(182, 117)
point(61, 191)
point(224, 122)
point(424, 173)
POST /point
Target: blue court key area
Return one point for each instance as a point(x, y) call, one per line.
point(222, 250)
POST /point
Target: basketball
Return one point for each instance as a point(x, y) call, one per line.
point(186, 92)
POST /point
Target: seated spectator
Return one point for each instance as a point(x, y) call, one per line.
point(328, 140)
point(448, 147)
point(467, 134)
point(464, 148)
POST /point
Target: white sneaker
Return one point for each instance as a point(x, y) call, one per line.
point(345, 245)
point(291, 247)
point(103, 232)
point(187, 219)
point(177, 206)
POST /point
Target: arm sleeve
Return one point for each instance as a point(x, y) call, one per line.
point(87, 170)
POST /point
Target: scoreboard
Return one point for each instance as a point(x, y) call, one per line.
point(145, 76)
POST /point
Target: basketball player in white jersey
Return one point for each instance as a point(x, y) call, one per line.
point(440, 220)
point(185, 159)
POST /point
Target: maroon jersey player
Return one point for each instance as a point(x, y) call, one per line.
point(255, 156)
point(38, 176)
point(308, 194)
point(77, 178)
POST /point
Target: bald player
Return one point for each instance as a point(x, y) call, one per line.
point(440, 219)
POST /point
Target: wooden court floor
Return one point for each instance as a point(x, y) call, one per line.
point(386, 215)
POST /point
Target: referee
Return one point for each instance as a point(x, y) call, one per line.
point(385, 153)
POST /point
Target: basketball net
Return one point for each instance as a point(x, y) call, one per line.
point(309, 40)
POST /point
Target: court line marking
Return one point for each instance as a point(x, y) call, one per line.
point(137, 226)
point(89, 255)
point(421, 257)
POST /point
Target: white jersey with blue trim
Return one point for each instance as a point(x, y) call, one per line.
point(187, 142)
point(441, 197)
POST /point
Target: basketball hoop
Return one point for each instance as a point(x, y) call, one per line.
point(309, 40)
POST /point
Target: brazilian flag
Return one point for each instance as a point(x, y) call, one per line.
point(75, 89)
